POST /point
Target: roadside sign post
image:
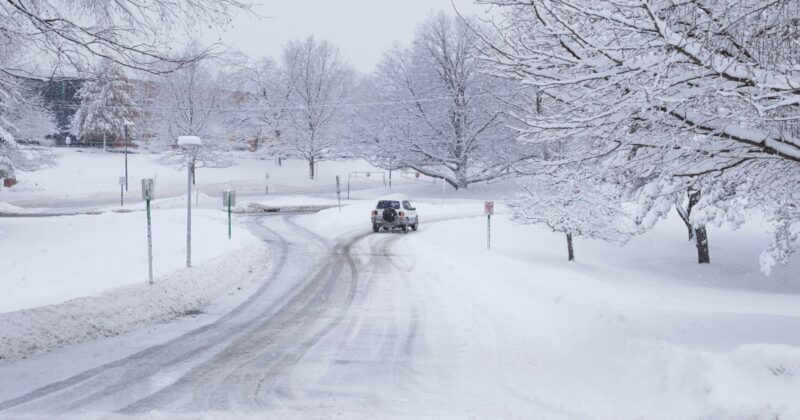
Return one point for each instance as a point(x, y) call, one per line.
point(228, 200)
point(338, 193)
point(266, 191)
point(148, 189)
point(488, 209)
point(122, 182)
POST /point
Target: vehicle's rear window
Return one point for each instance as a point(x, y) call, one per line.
point(387, 204)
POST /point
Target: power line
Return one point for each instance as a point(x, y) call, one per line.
point(499, 95)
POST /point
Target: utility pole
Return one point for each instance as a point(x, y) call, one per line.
point(147, 193)
point(189, 170)
point(190, 146)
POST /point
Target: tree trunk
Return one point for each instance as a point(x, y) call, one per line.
point(311, 168)
point(460, 176)
point(570, 250)
point(701, 241)
point(684, 214)
point(700, 234)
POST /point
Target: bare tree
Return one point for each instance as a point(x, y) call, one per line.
point(320, 82)
point(263, 91)
point(191, 100)
point(127, 32)
point(76, 34)
point(438, 113)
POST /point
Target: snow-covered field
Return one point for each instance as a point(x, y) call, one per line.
point(52, 260)
point(92, 176)
point(619, 334)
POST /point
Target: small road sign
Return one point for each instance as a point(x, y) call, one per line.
point(488, 208)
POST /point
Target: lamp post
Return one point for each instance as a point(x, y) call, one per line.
point(190, 146)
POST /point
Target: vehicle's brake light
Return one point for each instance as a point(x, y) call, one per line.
point(402, 214)
point(374, 212)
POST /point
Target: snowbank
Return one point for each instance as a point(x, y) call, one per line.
point(124, 308)
point(286, 203)
point(6, 208)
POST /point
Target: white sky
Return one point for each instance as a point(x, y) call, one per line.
point(362, 29)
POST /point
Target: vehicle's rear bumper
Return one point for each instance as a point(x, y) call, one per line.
point(398, 223)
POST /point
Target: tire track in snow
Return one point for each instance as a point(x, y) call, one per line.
point(249, 358)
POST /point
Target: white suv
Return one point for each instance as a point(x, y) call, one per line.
point(394, 213)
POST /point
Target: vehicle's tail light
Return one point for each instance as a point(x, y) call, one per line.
point(374, 212)
point(402, 214)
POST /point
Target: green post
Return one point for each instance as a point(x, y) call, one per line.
point(149, 242)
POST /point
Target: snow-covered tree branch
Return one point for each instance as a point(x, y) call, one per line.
point(668, 97)
point(107, 109)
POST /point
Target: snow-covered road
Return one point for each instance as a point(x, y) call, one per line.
point(341, 292)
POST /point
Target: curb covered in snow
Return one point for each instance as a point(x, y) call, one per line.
point(251, 207)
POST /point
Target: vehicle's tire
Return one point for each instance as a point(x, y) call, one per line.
point(389, 215)
point(415, 226)
point(375, 227)
point(404, 228)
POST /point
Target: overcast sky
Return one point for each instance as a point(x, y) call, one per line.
point(362, 29)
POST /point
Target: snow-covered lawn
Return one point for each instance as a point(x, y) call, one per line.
point(51, 260)
point(70, 278)
point(626, 332)
point(93, 175)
